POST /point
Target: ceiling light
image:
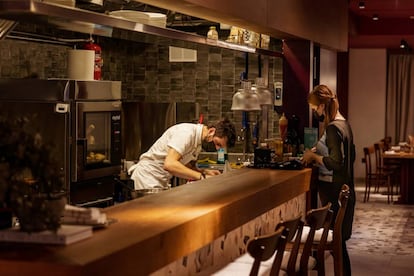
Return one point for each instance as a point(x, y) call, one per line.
point(361, 5)
point(375, 17)
point(403, 44)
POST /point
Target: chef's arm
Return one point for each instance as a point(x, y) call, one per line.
point(176, 168)
point(192, 165)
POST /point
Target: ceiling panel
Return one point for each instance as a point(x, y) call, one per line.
point(395, 22)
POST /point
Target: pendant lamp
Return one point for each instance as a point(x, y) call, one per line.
point(265, 95)
point(245, 99)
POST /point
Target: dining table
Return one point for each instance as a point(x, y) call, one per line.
point(406, 161)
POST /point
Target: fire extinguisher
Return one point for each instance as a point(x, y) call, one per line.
point(98, 58)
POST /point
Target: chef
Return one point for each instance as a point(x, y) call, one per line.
point(174, 152)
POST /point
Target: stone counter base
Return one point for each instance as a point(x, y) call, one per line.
point(230, 246)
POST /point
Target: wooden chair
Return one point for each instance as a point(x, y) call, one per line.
point(334, 237)
point(387, 142)
point(335, 245)
point(295, 227)
point(371, 177)
point(386, 174)
point(263, 248)
point(302, 253)
point(391, 164)
point(259, 249)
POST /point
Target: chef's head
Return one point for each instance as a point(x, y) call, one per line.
point(221, 134)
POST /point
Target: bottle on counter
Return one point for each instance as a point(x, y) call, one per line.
point(279, 149)
point(221, 156)
point(283, 125)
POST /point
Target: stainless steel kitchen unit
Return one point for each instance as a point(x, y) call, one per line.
point(81, 122)
point(145, 122)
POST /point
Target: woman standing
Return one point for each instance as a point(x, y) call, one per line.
point(334, 154)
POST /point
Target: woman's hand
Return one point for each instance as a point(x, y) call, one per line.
point(309, 157)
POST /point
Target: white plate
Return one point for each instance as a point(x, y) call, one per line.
point(149, 18)
point(134, 16)
point(156, 15)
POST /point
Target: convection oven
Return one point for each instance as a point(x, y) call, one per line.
point(81, 123)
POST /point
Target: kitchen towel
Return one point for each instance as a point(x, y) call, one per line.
point(81, 64)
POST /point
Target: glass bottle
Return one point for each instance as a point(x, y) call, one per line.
point(283, 124)
point(212, 33)
point(221, 156)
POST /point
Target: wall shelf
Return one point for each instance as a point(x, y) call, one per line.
point(84, 21)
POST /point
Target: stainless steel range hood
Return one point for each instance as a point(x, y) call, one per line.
point(84, 21)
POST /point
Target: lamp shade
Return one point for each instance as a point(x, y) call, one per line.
point(265, 95)
point(245, 99)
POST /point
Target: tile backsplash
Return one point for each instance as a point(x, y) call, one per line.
point(144, 69)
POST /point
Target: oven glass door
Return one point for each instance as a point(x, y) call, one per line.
point(98, 139)
point(98, 143)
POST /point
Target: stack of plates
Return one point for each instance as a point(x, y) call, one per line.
point(70, 3)
point(149, 18)
point(157, 19)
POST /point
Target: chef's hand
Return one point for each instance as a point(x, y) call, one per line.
point(212, 172)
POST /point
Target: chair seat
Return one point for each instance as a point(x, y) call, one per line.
point(286, 255)
point(318, 235)
point(247, 259)
point(243, 264)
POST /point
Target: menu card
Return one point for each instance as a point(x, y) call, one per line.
point(311, 137)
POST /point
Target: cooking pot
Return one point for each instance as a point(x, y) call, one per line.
point(149, 191)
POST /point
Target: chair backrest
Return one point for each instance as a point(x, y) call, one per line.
point(387, 142)
point(263, 247)
point(344, 195)
point(295, 227)
point(368, 152)
point(315, 219)
point(379, 150)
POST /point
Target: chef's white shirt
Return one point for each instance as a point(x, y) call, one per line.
point(185, 138)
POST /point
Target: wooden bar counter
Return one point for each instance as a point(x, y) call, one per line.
point(158, 229)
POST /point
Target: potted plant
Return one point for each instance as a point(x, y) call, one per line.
point(31, 183)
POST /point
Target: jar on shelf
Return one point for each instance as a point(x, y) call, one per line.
point(212, 33)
